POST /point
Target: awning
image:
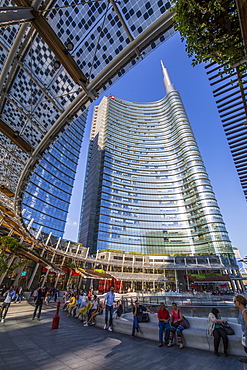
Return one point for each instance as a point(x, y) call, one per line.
point(216, 279)
point(92, 274)
point(138, 277)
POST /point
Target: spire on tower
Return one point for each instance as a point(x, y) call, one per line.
point(167, 82)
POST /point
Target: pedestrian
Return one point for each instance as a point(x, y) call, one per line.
point(19, 294)
point(56, 292)
point(39, 302)
point(163, 317)
point(10, 296)
point(241, 302)
point(109, 300)
point(48, 296)
point(215, 329)
point(35, 295)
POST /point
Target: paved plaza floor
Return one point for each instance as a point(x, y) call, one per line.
point(27, 344)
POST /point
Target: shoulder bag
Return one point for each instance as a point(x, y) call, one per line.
point(228, 329)
point(185, 323)
point(143, 317)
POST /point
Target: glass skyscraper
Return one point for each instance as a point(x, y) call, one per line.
point(47, 196)
point(146, 188)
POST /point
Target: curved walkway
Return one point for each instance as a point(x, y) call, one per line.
point(27, 344)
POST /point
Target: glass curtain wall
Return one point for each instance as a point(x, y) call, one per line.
point(147, 189)
point(48, 193)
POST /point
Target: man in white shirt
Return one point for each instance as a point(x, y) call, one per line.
point(10, 296)
point(109, 300)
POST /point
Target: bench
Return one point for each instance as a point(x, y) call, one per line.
point(195, 336)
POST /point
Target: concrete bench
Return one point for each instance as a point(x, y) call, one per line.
point(195, 336)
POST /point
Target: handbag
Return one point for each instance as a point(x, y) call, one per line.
point(185, 323)
point(228, 329)
point(143, 317)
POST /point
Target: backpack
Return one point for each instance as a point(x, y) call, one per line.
point(119, 310)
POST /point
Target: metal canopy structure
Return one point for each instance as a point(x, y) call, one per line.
point(56, 58)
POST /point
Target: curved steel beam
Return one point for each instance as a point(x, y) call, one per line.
point(15, 138)
point(10, 15)
point(15, 46)
point(11, 54)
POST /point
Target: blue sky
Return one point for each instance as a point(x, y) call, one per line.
point(144, 83)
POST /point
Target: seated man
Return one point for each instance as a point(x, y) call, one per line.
point(67, 300)
point(83, 313)
point(138, 309)
point(83, 303)
point(163, 317)
point(84, 299)
point(71, 303)
point(72, 309)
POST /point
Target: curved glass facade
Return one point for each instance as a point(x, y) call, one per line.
point(147, 189)
point(47, 196)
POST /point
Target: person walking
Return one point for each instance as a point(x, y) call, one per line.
point(241, 302)
point(109, 300)
point(56, 292)
point(163, 317)
point(215, 329)
point(35, 295)
point(39, 302)
point(10, 296)
point(48, 296)
point(19, 294)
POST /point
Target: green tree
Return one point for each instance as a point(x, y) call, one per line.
point(211, 30)
point(8, 248)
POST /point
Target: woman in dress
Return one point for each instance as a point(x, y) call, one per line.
point(176, 326)
point(215, 329)
point(241, 302)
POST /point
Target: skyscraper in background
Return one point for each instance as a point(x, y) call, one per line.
point(146, 188)
point(47, 196)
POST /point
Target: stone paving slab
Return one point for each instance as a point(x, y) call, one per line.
point(27, 344)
